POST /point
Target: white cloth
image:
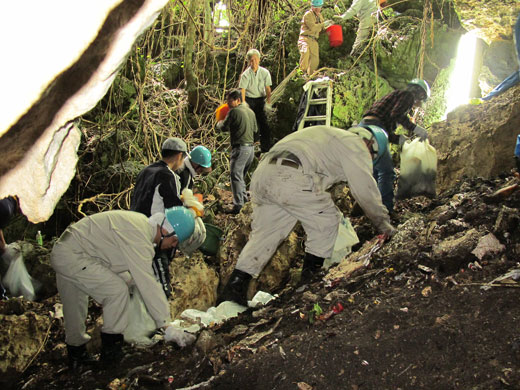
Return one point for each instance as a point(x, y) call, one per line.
point(88, 258)
point(255, 83)
point(196, 240)
point(283, 195)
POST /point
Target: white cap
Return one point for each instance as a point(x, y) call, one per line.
point(159, 219)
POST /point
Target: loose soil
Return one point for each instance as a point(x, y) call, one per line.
point(402, 327)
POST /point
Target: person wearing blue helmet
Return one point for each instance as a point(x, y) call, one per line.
point(312, 25)
point(290, 185)
point(387, 113)
point(101, 256)
point(197, 163)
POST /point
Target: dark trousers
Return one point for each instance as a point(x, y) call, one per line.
point(257, 105)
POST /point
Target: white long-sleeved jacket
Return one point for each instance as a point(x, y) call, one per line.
point(331, 155)
point(361, 8)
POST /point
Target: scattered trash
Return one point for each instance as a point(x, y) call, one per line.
point(425, 268)
point(426, 292)
point(170, 379)
point(179, 336)
point(509, 278)
point(304, 386)
point(338, 308)
point(475, 266)
point(214, 315)
point(365, 363)
point(404, 309)
point(261, 298)
point(488, 244)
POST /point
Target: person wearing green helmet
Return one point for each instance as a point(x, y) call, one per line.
point(290, 185)
point(197, 163)
point(312, 25)
point(101, 256)
point(388, 112)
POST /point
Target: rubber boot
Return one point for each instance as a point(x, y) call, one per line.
point(79, 357)
point(236, 288)
point(111, 347)
point(311, 266)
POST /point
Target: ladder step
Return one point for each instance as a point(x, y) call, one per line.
point(315, 118)
point(318, 101)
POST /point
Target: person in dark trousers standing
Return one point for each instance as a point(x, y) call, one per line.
point(387, 113)
point(241, 124)
point(158, 186)
point(255, 86)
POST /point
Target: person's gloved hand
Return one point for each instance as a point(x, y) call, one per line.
point(220, 124)
point(327, 23)
point(268, 107)
point(421, 133)
point(403, 139)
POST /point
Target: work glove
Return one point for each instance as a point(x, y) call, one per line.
point(403, 139)
point(421, 133)
point(341, 17)
point(192, 202)
point(268, 107)
point(327, 23)
point(220, 124)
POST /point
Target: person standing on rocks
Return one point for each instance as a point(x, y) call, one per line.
point(101, 256)
point(241, 124)
point(290, 185)
point(311, 26)
point(366, 11)
point(386, 114)
point(255, 86)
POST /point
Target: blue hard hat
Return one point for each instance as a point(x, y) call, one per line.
point(517, 148)
point(182, 221)
point(201, 155)
point(316, 3)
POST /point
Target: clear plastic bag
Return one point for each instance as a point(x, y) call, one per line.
point(418, 170)
point(345, 240)
point(17, 280)
point(140, 324)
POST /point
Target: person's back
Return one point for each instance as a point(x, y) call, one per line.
point(241, 125)
point(146, 188)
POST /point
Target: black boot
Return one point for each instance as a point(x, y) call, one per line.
point(236, 288)
point(111, 347)
point(311, 266)
point(79, 357)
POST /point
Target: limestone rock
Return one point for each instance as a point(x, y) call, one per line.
point(194, 285)
point(477, 140)
point(20, 338)
point(492, 19)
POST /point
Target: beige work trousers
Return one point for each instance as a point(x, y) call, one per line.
point(79, 276)
point(309, 54)
point(281, 196)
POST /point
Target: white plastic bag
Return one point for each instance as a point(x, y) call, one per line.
point(179, 336)
point(18, 281)
point(140, 324)
point(345, 240)
point(418, 169)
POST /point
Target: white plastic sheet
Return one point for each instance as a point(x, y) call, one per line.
point(418, 169)
point(345, 240)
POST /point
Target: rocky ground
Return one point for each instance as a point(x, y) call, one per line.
point(421, 315)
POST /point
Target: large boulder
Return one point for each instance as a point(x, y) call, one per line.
point(477, 140)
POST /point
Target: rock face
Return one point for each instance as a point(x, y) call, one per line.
point(194, 285)
point(38, 139)
point(492, 19)
point(20, 339)
point(477, 140)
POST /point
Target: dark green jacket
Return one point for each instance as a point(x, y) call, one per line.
point(241, 123)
